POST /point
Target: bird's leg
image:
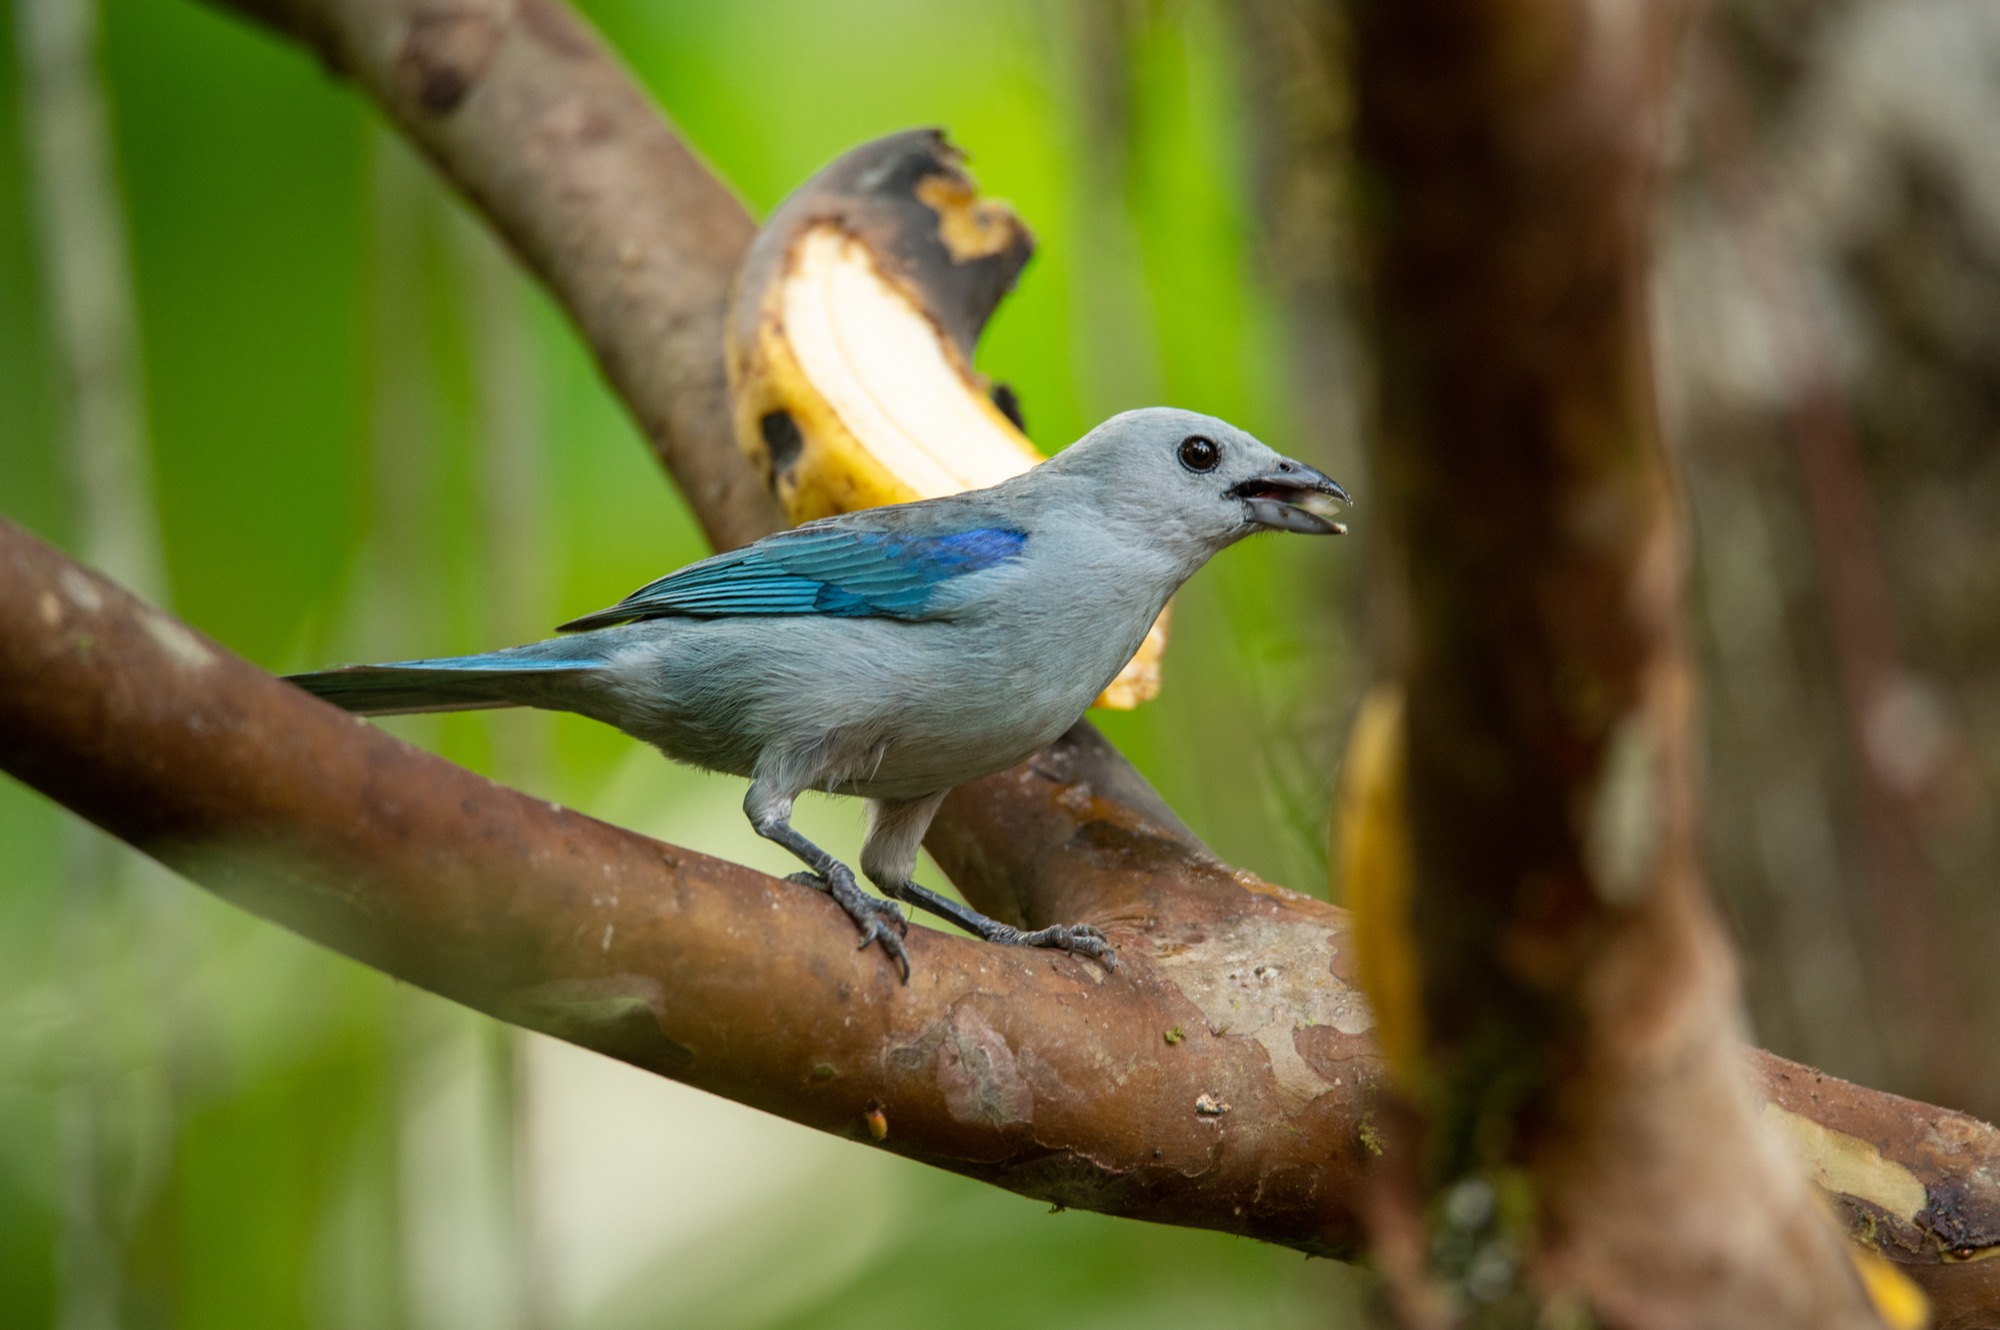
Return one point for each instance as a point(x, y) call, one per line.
point(880, 921)
point(889, 855)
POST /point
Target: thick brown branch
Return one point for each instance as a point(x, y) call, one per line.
point(1216, 1080)
point(1036, 1073)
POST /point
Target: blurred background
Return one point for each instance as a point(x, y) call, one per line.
point(255, 362)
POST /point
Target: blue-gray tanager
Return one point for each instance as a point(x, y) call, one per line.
point(897, 652)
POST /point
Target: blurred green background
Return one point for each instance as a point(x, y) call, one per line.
point(254, 360)
point(365, 435)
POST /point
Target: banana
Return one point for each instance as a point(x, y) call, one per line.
point(1372, 849)
point(850, 343)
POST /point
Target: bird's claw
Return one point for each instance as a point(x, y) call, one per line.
point(1082, 939)
point(875, 917)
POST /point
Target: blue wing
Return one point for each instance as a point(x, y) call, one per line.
point(843, 570)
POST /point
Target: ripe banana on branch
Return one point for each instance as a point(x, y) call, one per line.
point(850, 343)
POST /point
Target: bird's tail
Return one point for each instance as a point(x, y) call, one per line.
point(539, 674)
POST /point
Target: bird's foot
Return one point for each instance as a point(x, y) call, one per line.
point(1083, 939)
point(881, 922)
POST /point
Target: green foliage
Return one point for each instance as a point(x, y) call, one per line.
point(207, 1123)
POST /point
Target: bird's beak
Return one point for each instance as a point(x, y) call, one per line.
point(1292, 496)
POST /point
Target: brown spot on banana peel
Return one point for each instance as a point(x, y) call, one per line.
point(852, 325)
point(887, 193)
point(969, 227)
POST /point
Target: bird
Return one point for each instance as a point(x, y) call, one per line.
point(897, 652)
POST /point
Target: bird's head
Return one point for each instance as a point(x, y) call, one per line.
point(1192, 477)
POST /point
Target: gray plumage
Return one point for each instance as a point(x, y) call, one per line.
point(896, 652)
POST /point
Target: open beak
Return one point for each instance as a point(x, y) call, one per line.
point(1293, 497)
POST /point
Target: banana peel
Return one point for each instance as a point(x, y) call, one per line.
point(1372, 849)
point(1894, 1295)
point(850, 340)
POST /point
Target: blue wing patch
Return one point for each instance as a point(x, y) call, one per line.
point(842, 571)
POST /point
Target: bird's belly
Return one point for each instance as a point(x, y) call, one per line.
point(941, 742)
point(871, 707)
point(984, 716)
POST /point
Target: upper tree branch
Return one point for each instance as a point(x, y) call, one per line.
point(521, 107)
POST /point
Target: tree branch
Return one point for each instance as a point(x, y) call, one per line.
point(520, 106)
point(1031, 1070)
point(1034, 1072)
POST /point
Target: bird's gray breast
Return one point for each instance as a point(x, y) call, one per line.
point(880, 707)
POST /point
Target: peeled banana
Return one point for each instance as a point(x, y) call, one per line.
point(850, 344)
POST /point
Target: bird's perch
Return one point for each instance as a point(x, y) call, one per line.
point(1031, 1071)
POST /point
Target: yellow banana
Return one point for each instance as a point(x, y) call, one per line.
point(1372, 848)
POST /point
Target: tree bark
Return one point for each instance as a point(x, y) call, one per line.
point(1575, 1000)
point(1216, 1079)
point(1032, 1071)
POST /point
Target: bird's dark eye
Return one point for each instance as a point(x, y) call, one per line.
point(1200, 453)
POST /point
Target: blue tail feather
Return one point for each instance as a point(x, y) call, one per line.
point(517, 676)
point(491, 660)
